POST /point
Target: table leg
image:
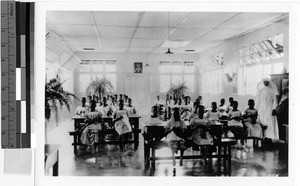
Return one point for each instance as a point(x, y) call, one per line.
point(75, 137)
point(55, 166)
point(229, 160)
point(219, 159)
point(153, 156)
point(225, 159)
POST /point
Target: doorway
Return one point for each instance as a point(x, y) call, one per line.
point(137, 87)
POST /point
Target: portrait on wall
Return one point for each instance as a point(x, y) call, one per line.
point(138, 67)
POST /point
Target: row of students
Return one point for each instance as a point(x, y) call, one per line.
point(179, 139)
point(93, 123)
point(106, 107)
point(174, 102)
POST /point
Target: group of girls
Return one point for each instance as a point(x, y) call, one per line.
point(106, 105)
point(96, 109)
point(179, 139)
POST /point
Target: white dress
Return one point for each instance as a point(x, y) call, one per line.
point(266, 102)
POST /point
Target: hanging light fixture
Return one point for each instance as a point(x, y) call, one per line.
point(147, 57)
point(169, 50)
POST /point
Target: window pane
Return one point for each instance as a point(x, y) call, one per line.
point(241, 87)
point(110, 66)
point(189, 79)
point(277, 68)
point(113, 79)
point(165, 83)
point(84, 66)
point(165, 67)
point(205, 83)
point(189, 67)
point(97, 65)
point(84, 80)
point(177, 67)
point(97, 76)
point(176, 79)
point(267, 70)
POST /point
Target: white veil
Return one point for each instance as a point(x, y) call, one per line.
point(271, 85)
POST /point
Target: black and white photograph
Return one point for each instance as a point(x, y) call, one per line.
point(212, 101)
point(138, 67)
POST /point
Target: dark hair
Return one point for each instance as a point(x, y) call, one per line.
point(235, 104)
point(176, 114)
point(251, 101)
point(201, 111)
point(93, 105)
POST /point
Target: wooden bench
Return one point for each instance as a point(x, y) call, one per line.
point(226, 128)
point(153, 134)
point(77, 142)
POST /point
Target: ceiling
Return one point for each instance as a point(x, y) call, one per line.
point(106, 31)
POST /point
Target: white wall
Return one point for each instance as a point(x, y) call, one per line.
point(125, 65)
point(231, 60)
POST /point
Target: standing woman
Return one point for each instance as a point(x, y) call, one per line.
point(266, 103)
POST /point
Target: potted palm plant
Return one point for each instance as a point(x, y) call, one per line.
point(99, 87)
point(55, 96)
point(178, 90)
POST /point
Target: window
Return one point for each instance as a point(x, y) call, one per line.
point(251, 75)
point(165, 82)
point(211, 68)
point(258, 61)
point(96, 69)
point(266, 50)
point(84, 80)
point(174, 72)
point(212, 82)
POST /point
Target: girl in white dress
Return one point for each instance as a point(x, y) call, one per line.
point(89, 135)
point(175, 128)
point(253, 128)
point(81, 110)
point(129, 107)
point(213, 114)
point(121, 114)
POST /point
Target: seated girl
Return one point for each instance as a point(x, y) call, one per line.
point(213, 114)
point(194, 113)
point(129, 107)
point(121, 115)
point(234, 121)
point(81, 110)
point(250, 116)
point(222, 107)
point(105, 109)
point(93, 124)
point(175, 128)
point(200, 135)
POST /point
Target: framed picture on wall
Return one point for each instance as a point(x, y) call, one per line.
point(138, 67)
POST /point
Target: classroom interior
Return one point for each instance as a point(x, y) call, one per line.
point(142, 54)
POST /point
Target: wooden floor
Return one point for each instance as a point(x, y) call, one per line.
point(109, 161)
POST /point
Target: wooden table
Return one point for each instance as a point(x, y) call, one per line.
point(52, 158)
point(154, 131)
point(78, 120)
point(133, 119)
